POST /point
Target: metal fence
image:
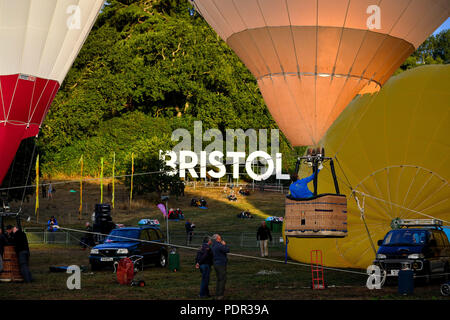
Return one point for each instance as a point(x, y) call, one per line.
point(68, 238)
point(242, 239)
point(261, 186)
point(71, 238)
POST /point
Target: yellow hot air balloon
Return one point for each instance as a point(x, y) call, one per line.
point(311, 57)
point(393, 149)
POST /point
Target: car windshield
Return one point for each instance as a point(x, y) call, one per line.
point(119, 235)
point(405, 237)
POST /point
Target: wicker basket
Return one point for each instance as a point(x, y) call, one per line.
point(324, 216)
point(11, 271)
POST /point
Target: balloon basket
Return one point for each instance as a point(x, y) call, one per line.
point(324, 216)
point(11, 271)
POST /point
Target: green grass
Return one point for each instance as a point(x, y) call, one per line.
point(287, 281)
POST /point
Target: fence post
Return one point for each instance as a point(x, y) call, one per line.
point(67, 238)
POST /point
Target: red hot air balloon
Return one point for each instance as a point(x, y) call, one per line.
point(40, 40)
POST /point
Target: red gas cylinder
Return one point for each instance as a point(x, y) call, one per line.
point(125, 271)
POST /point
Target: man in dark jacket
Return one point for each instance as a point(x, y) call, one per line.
point(220, 260)
point(262, 236)
point(88, 239)
point(23, 252)
point(3, 243)
point(189, 226)
point(204, 261)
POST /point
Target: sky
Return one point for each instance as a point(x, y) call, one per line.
point(445, 25)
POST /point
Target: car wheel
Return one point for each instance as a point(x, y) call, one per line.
point(445, 289)
point(162, 261)
point(138, 266)
point(446, 273)
point(427, 278)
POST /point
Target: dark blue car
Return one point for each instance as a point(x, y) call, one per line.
point(425, 250)
point(124, 242)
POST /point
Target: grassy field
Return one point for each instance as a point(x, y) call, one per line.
point(248, 277)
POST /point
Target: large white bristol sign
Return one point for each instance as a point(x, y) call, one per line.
point(183, 159)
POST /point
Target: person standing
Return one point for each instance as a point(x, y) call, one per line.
point(220, 249)
point(23, 252)
point(204, 261)
point(50, 191)
point(189, 226)
point(3, 243)
point(88, 239)
point(263, 235)
point(44, 190)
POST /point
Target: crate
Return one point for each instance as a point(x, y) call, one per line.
point(323, 216)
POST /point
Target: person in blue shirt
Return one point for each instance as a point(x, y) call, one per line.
point(52, 224)
point(299, 187)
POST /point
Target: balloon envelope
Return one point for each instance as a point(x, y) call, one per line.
point(394, 147)
point(40, 40)
point(311, 57)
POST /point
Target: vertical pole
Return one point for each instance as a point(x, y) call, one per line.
point(286, 250)
point(333, 172)
point(315, 177)
point(297, 165)
point(81, 189)
point(113, 184)
point(101, 180)
point(253, 180)
point(36, 210)
point(132, 173)
point(167, 221)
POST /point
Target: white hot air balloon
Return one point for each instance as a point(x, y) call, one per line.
point(39, 39)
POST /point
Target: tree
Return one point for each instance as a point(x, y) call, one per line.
point(154, 174)
point(156, 59)
point(435, 50)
